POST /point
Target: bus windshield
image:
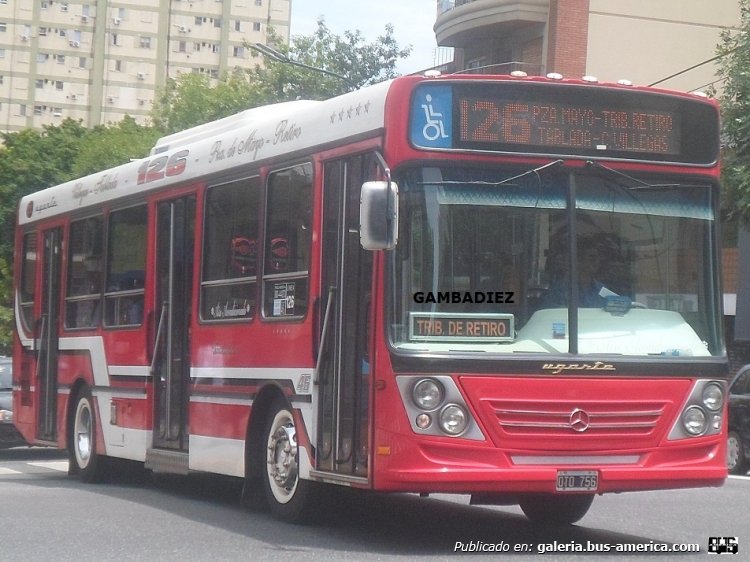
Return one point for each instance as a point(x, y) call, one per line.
point(590, 261)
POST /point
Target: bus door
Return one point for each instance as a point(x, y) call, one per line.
point(343, 363)
point(48, 326)
point(175, 221)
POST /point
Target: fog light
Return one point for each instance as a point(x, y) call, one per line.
point(424, 421)
point(716, 422)
point(713, 397)
point(428, 394)
point(453, 419)
point(694, 421)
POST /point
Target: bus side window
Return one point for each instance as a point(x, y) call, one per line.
point(126, 266)
point(230, 251)
point(85, 262)
point(287, 242)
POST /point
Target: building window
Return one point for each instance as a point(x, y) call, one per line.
point(238, 25)
point(256, 26)
point(38, 109)
point(145, 42)
point(258, 2)
point(119, 66)
point(239, 52)
point(43, 31)
point(82, 62)
point(182, 47)
point(22, 109)
point(59, 85)
point(198, 20)
point(3, 27)
point(60, 59)
point(39, 84)
point(115, 39)
point(217, 22)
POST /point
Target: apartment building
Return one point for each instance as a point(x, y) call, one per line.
point(645, 41)
point(99, 60)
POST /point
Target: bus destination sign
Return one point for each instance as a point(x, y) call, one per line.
point(565, 126)
point(564, 120)
point(451, 326)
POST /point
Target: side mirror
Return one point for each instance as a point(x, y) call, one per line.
point(378, 215)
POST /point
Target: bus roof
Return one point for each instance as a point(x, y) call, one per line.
point(250, 136)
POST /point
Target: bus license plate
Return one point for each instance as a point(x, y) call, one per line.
point(577, 480)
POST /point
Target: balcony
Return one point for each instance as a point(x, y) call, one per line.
point(460, 22)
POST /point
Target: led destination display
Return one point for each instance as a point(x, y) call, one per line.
point(564, 120)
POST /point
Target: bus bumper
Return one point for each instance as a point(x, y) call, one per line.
point(447, 468)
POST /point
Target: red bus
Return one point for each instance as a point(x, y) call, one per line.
point(502, 286)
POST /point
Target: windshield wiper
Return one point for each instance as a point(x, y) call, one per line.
point(642, 185)
point(506, 181)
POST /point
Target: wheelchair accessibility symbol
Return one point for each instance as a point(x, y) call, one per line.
point(431, 123)
point(434, 128)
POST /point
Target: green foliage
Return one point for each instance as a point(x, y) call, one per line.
point(191, 100)
point(734, 51)
point(32, 160)
point(109, 146)
point(350, 56)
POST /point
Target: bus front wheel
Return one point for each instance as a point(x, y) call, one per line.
point(83, 455)
point(289, 497)
point(556, 509)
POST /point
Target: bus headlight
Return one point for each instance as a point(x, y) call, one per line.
point(453, 419)
point(694, 420)
point(428, 394)
point(435, 407)
point(713, 397)
point(701, 414)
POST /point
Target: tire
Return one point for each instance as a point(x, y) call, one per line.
point(84, 459)
point(736, 462)
point(552, 509)
point(289, 497)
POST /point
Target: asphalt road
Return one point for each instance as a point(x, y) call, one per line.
point(45, 515)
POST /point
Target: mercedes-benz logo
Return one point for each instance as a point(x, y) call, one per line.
point(579, 420)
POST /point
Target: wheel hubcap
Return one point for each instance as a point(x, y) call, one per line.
point(282, 457)
point(733, 452)
point(83, 434)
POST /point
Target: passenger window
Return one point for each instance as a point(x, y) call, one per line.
point(126, 266)
point(287, 242)
point(85, 271)
point(27, 290)
point(230, 251)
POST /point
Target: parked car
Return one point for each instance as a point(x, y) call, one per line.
point(9, 435)
point(738, 440)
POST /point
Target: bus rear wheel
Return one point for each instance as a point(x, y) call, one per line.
point(83, 455)
point(289, 497)
point(552, 509)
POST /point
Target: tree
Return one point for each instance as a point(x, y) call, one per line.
point(191, 100)
point(734, 52)
point(31, 160)
point(350, 56)
point(109, 146)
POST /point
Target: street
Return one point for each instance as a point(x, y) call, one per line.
point(199, 518)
